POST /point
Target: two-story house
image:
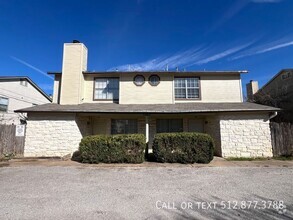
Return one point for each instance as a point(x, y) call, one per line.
point(89, 102)
point(19, 92)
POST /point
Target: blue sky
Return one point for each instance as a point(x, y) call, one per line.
point(254, 35)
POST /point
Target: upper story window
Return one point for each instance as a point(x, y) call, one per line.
point(139, 80)
point(106, 89)
point(186, 88)
point(154, 80)
point(3, 104)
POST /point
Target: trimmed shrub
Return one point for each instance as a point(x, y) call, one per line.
point(124, 148)
point(183, 147)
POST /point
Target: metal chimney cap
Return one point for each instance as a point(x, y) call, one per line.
point(76, 41)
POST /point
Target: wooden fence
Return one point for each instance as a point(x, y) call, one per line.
point(9, 143)
point(282, 138)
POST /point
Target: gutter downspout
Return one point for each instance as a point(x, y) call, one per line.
point(274, 114)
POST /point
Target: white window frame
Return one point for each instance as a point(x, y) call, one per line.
point(186, 88)
point(107, 83)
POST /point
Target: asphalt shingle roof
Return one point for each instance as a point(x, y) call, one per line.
point(151, 108)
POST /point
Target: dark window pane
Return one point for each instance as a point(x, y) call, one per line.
point(179, 83)
point(154, 80)
point(169, 125)
point(175, 125)
point(123, 126)
point(162, 125)
point(3, 108)
point(180, 93)
point(193, 93)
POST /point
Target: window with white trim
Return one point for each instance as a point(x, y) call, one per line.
point(106, 88)
point(186, 88)
point(3, 104)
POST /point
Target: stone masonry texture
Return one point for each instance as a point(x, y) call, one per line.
point(245, 135)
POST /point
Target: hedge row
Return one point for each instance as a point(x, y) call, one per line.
point(126, 148)
point(180, 147)
point(183, 147)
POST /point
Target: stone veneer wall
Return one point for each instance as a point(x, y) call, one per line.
point(53, 134)
point(245, 135)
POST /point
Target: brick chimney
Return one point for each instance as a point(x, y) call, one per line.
point(72, 82)
point(251, 89)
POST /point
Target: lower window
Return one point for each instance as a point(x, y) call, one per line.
point(169, 125)
point(123, 126)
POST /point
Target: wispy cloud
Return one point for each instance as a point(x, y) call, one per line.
point(31, 66)
point(160, 63)
point(223, 54)
point(276, 47)
point(264, 48)
point(183, 59)
point(235, 8)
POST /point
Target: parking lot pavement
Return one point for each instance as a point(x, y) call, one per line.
point(36, 191)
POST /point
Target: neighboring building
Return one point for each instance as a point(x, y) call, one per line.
point(18, 92)
point(87, 103)
point(277, 92)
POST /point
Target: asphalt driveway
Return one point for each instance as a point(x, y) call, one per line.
point(170, 192)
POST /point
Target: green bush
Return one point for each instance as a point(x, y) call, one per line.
point(124, 148)
point(183, 147)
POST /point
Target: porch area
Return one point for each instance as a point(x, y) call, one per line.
point(239, 130)
point(147, 124)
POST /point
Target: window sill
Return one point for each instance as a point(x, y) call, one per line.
point(115, 100)
point(182, 99)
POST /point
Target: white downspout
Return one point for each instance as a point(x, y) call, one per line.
point(147, 128)
point(273, 115)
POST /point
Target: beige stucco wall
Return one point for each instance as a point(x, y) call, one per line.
point(72, 83)
point(245, 135)
point(146, 94)
point(57, 89)
point(221, 88)
point(213, 88)
point(19, 96)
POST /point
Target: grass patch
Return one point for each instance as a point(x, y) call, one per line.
point(246, 158)
point(283, 158)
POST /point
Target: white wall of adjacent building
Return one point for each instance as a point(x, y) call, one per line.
point(19, 95)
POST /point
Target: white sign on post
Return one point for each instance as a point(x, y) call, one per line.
point(19, 131)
